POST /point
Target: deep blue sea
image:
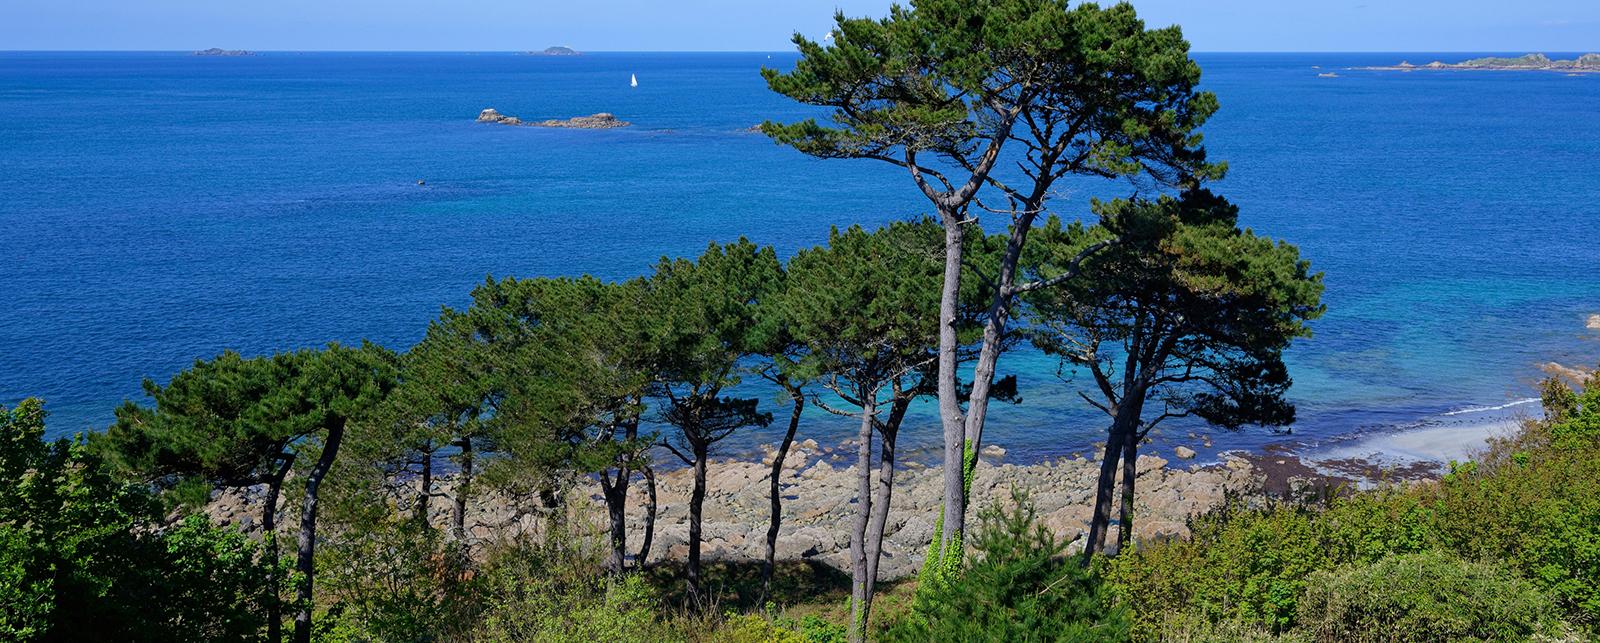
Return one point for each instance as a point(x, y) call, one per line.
point(156, 208)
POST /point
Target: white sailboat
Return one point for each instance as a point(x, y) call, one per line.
point(633, 80)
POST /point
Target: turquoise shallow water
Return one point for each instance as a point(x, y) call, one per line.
point(160, 207)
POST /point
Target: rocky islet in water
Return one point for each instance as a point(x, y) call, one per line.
point(217, 51)
point(1530, 62)
point(602, 120)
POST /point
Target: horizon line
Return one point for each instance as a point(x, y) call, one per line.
point(748, 51)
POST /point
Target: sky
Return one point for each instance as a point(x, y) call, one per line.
point(753, 25)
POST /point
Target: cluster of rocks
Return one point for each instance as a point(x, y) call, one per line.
point(216, 51)
point(602, 120)
point(818, 491)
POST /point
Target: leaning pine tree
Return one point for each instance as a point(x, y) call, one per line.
point(987, 105)
point(1190, 316)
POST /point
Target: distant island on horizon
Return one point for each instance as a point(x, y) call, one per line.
point(217, 51)
point(1529, 62)
point(556, 51)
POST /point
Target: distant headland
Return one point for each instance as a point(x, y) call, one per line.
point(215, 51)
point(556, 51)
point(1531, 62)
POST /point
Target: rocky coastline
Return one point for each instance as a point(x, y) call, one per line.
point(1587, 63)
point(818, 490)
point(602, 120)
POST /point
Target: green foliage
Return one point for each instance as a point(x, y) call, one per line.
point(1534, 502)
point(393, 579)
point(1530, 504)
point(1429, 596)
point(1021, 586)
point(943, 76)
point(83, 556)
point(553, 595)
point(1207, 307)
point(210, 425)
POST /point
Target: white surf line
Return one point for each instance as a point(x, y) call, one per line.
point(1485, 409)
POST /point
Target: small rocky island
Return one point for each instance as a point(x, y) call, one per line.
point(216, 51)
point(602, 120)
point(555, 51)
point(1530, 62)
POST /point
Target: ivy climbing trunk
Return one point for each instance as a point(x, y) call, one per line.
point(955, 448)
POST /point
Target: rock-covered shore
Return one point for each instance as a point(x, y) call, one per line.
point(818, 505)
point(602, 120)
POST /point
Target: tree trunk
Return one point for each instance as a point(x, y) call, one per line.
point(696, 502)
point(1104, 486)
point(1130, 464)
point(306, 564)
point(859, 584)
point(775, 494)
point(889, 431)
point(616, 496)
point(463, 490)
point(955, 500)
point(269, 531)
point(425, 497)
point(643, 559)
point(994, 329)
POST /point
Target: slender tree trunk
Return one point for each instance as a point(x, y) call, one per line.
point(463, 491)
point(889, 432)
point(696, 503)
point(306, 564)
point(955, 501)
point(859, 583)
point(775, 493)
point(994, 329)
point(1104, 486)
point(269, 530)
point(425, 497)
point(616, 496)
point(1130, 464)
point(649, 517)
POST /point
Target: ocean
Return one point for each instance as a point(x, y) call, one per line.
point(160, 207)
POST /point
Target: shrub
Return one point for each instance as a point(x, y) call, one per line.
point(1240, 565)
point(1430, 596)
point(396, 580)
point(1020, 587)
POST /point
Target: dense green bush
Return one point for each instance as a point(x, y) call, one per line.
point(1429, 596)
point(1530, 503)
point(1021, 586)
point(85, 557)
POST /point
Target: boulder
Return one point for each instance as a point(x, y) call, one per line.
point(490, 115)
point(1184, 453)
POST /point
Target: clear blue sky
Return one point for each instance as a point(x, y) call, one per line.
point(754, 25)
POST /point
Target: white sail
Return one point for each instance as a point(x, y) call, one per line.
point(633, 80)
